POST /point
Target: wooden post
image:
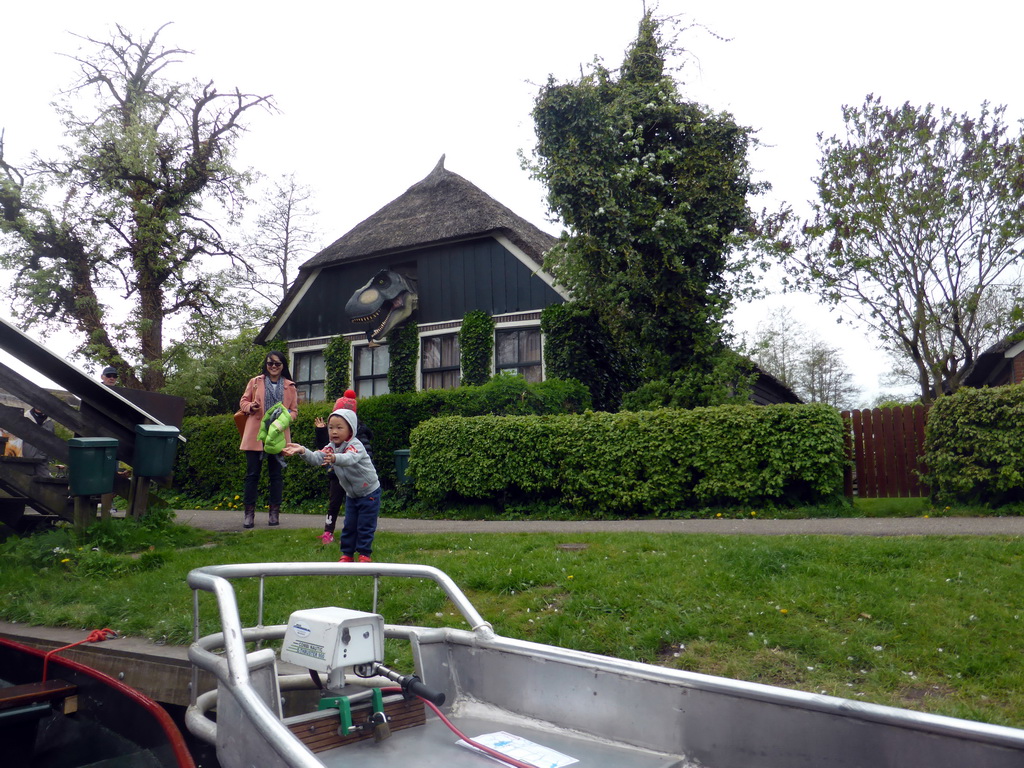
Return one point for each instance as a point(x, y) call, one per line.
point(138, 497)
point(85, 512)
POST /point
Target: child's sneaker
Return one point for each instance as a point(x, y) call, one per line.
point(327, 537)
point(346, 559)
point(365, 559)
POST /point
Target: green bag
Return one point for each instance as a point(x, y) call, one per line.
point(272, 428)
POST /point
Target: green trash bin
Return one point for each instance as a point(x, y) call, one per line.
point(401, 465)
point(155, 448)
point(92, 463)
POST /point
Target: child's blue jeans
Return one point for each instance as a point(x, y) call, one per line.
point(360, 523)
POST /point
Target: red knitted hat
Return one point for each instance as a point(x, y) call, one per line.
point(346, 401)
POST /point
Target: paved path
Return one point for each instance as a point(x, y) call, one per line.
point(846, 526)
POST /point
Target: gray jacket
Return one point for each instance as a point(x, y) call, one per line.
point(352, 465)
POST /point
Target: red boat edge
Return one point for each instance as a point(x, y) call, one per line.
point(162, 727)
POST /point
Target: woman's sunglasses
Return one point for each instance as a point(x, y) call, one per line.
point(274, 364)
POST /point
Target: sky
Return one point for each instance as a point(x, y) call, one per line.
point(370, 95)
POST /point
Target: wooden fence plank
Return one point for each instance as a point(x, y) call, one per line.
point(902, 442)
point(870, 455)
point(887, 451)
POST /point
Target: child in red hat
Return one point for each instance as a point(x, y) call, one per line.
point(347, 459)
point(335, 493)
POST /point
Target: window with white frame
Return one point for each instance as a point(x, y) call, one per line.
point(439, 361)
point(517, 350)
point(371, 370)
point(309, 372)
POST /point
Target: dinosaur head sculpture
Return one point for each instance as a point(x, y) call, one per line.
point(382, 304)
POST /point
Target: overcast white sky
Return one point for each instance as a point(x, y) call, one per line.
point(372, 94)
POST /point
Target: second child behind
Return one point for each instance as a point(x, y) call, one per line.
point(347, 456)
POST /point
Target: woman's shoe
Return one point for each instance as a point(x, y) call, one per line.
point(249, 520)
point(275, 514)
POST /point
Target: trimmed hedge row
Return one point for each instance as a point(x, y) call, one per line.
point(210, 466)
point(648, 462)
point(974, 447)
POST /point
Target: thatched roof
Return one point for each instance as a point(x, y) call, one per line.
point(441, 208)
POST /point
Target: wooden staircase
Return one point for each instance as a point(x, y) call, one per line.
point(113, 412)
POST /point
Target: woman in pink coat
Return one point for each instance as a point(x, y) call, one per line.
point(262, 392)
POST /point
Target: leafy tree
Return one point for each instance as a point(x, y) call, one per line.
point(919, 222)
point(111, 237)
point(653, 192)
point(211, 373)
point(284, 234)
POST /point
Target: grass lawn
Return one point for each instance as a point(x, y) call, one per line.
point(930, 623)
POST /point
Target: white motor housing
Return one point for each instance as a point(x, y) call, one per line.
point(330, 639)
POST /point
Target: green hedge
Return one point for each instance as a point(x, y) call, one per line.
point(210, 466)
point(392, 418)
point(650, 462)
point(974, 447)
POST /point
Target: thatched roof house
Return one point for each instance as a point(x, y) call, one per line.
point(461, 248)
point(441, 208)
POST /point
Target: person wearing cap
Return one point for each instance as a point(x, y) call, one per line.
point(335, 493)
point(346, 455)
point(109, 377)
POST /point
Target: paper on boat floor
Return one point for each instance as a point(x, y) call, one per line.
point(520, 749)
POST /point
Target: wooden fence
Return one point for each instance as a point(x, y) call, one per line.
point(887, 448)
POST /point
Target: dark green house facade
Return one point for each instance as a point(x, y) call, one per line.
point(461, 249)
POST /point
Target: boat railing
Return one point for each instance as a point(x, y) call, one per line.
point(232, 667)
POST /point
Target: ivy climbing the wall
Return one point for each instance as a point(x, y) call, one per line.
point(476, 347)
point(337, 355)
point(403, 349)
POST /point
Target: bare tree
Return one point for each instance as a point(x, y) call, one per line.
point(285, 234)
point(813, 369)
point(822, 376)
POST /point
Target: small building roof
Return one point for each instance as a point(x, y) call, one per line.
point(993, 364)
point(443, 207)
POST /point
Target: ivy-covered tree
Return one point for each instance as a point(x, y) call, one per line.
point(578, 347)
point(114, 237)
point(653, 191)
point(919, 225)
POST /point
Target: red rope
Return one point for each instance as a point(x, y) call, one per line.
point(482, 747)
point(96, 636)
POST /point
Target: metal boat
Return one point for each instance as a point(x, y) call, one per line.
point(474, 696)
point(57, 713)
